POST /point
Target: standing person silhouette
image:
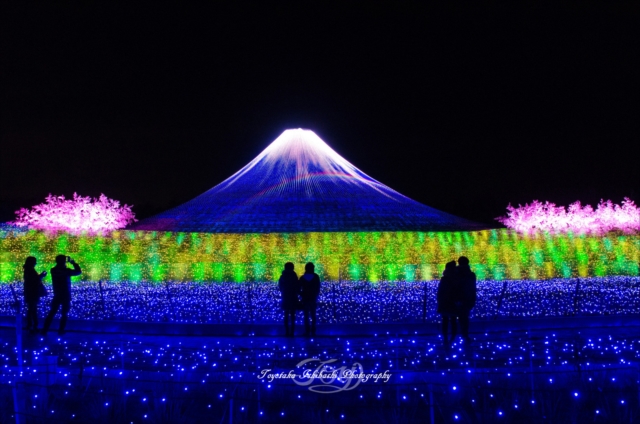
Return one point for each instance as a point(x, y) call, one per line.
point(446, 301)
point(289, 289)
point(310, 290)
point(32, 291)
point(467, 294)
point(61, 281)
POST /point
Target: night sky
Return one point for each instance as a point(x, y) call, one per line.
point(463, 107)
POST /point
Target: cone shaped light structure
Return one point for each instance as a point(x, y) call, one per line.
point(300, 184)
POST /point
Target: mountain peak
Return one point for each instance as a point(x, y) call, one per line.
point(300, 154)
point(300, 184)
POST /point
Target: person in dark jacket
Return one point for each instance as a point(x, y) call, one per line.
point(446, 301)
point(32, 291)
point(61, 282)
point(290, 290)
point(309, 290)
point(467, 293)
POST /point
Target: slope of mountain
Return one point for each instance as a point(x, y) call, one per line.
point(299, 184)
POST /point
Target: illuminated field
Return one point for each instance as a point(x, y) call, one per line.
point(340, 303)
point(362, 256)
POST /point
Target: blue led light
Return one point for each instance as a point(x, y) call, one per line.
point(345, 302)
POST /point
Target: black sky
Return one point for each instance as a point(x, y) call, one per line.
point(463, 107)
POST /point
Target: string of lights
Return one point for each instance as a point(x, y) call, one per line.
point(346, 302)
point(518, 374)
point(138, 256)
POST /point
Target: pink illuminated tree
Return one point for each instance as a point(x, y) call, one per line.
point(77, 215)
point(580, 219)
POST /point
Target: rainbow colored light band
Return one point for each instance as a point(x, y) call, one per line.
point(361, 256)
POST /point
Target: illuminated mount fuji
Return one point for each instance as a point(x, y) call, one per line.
point(299, 184)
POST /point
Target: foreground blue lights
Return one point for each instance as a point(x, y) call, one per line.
point(344, 302)
point(522, 376)
point(511, 371)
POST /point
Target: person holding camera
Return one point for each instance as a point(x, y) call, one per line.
point(33, 291)
point(61, 282)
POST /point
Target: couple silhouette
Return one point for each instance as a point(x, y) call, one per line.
point(299, 294)
point(456, 298)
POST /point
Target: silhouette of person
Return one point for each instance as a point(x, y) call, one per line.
point(32, 291)
point(61, 282)
point(289, 289)
point(467, 294)
point(309, 290)
point(446, 301)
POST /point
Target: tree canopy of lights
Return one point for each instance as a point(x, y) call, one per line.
point(77, 215)
point(579, 219)
point(339, 256)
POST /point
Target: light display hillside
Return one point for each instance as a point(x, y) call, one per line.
point(300, 201)
point(299, 184)
point(361, 256)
